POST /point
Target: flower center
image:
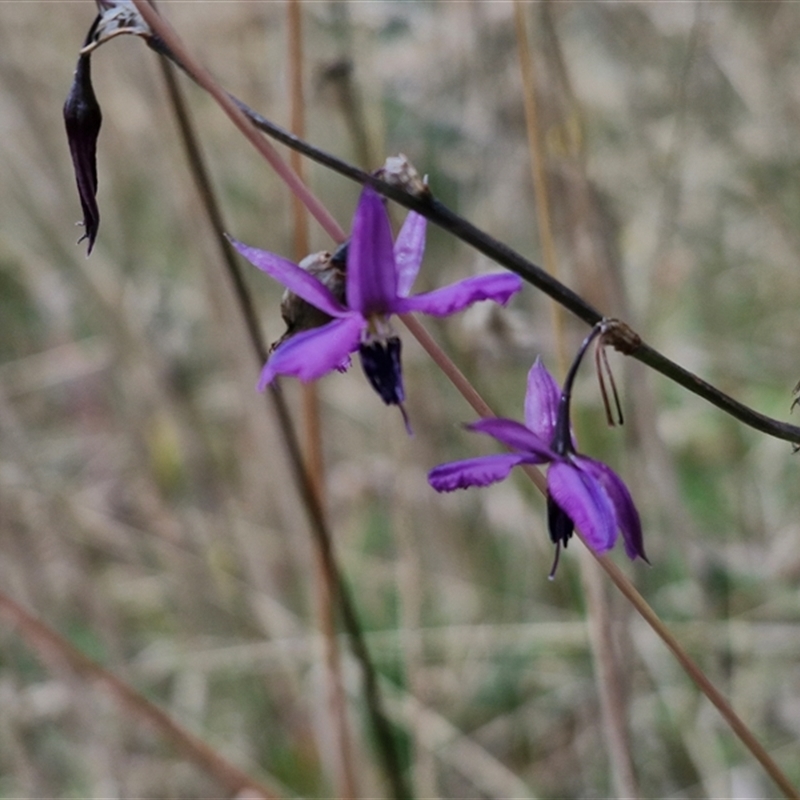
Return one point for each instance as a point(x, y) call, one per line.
point(380, 357)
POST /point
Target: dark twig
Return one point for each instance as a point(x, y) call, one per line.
point(319, 526)
point(504, 255)
point(462, 229)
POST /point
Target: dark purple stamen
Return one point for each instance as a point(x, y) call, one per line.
point(381, 362)
point(560, 526)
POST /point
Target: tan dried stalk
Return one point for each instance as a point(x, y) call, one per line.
point(345, 770)
point(607, 669)
point(55, 651)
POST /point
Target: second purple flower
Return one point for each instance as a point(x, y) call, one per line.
point(581, 492)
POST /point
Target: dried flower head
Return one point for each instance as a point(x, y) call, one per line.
point(82, 119)
point(399, 171)
point(300, 315)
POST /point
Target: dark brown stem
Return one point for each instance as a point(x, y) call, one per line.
point(504, 255)
point(501, 253)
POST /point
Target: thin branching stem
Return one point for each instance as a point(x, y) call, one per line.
point(440, 215)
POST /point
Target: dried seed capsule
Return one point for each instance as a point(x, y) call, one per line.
point(302, 316)
point(399, 171)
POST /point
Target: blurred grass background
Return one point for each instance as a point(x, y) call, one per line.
point(146, 508)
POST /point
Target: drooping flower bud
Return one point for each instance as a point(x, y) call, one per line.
point(82, 118)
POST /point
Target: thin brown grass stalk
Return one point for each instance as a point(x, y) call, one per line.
point(319, 527)
point(607, 670)
point(206, 81)
point(539, 176)
point(735, 722)
point(345, 771)
point(620, 580)
point(323, 545)
point(57, 653)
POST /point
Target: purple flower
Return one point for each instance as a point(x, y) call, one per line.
point(581, 492)
point(377, 284)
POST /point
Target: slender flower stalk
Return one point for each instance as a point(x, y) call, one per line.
point(581, 491)
point(379, 276)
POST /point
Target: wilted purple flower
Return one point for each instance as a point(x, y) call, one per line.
point(82, 119)
point(581, 492)
point(82, 116)
point(378, 281)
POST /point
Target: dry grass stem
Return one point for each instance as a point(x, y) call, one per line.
point(168, 528)
point(57, 652)
point(325, 585)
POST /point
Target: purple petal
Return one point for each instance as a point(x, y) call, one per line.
point(449, 299)
point(627, 515)
point(586, 503)
point(294, 278)
point(82, 119)
point(371, 273)
point(409, 248)
point(516, 436)
point(480, 471)
point(541, 401)
point(309, 355)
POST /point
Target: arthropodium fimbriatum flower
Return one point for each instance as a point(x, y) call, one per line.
point(581, 492)
point(378, 280)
